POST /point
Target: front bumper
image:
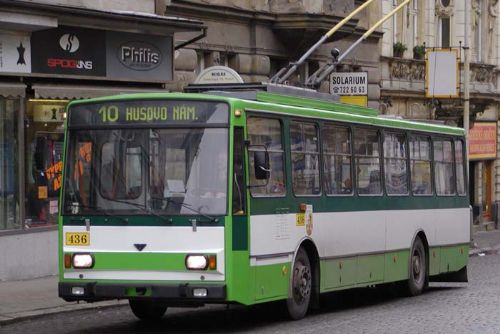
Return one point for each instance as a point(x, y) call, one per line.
point(93, 291)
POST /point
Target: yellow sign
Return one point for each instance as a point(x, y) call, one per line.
point(300, 219)
point(357, 100)
point(43, 192)
point(77, 238)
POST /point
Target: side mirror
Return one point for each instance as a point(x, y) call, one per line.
point(261, 165)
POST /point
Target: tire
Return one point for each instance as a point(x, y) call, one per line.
point(417, 279)
point(298, 303)
point(147, 309)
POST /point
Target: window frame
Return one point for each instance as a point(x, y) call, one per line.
point(450, 139)
point(348, 127)
point(378, 130)
point(319, 154)
point(406, 144)
point(256, 114)
point(431, 163)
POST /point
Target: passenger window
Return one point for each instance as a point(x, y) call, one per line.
point(443, 167)
point(265, 133)
point(459, 165)
point(337, 160)
point(396, 174)
point(420, 165)
point(305, 158)
point(367, 161)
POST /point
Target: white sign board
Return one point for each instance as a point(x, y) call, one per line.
point(349, 83)
point(442, 74)
point(218, 75)
point(15, 53)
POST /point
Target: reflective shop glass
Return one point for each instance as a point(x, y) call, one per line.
point(9, 164)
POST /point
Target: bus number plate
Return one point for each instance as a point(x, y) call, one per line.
point(77, 238)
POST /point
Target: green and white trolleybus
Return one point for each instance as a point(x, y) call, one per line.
point(184, 199)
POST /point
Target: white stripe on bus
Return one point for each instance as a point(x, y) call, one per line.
point(141, 275)
point(339, 234)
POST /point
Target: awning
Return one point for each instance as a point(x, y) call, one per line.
point(125, 21)
point(8, 89)
point(68, 92)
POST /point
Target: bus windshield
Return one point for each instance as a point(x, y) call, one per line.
point(134, 171)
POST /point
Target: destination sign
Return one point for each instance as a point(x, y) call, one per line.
point(155, 112)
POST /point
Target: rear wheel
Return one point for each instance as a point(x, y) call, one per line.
point(147, 309)
point(298, 303)
point(418, 268)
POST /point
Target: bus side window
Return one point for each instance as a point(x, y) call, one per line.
point(420, 165)
point(367, 160)
point(459, 165)
point(396, 174)
point(305, 158)
point(238, 172)
point(443, 167)
point(267, 132)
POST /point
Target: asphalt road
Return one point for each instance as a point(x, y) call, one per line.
point(462, 308)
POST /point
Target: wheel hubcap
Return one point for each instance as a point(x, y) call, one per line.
point(302, 282)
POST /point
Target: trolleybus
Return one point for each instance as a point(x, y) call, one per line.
point(185, 199)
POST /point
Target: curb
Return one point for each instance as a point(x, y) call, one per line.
point(32, 314)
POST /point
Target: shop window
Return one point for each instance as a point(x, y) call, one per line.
point(9, 195)
point(43, 155)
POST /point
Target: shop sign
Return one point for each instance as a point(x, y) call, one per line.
point(140, 57)
point(70, 51)
point(48, 113)
point(483, 141)
point(15, 53)
point(218, 75)
point(349, 83)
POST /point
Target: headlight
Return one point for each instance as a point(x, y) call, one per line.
point(196, 262)
point(83, 261)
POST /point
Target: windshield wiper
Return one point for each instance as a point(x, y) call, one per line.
point(187, 206)
point(105, 213)
point(143, 208)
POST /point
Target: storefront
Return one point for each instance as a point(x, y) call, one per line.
point(48, 57)
point(482, 155)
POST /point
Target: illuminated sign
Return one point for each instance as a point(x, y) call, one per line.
point(483, 141)
point(156, 112)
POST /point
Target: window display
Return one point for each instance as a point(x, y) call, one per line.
point(44, 152)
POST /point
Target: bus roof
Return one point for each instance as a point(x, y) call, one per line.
point(263, 101)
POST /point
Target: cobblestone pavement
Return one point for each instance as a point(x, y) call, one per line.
point(463, 308)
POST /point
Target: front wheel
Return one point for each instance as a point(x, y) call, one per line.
point(147, 309)
point(417, 269)
point(298, 303)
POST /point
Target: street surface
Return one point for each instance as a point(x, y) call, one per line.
point(463, 308)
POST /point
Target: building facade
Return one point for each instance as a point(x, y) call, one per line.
point(50, 53)
point(441, 24)
point(56, 51)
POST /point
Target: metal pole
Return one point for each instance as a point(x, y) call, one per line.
point(467, 10)
point(467, 76)
point(318, 43)
point(362, 38)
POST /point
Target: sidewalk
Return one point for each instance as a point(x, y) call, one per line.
point(37, 297)
point(33, 298)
